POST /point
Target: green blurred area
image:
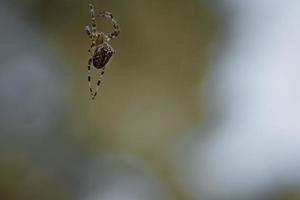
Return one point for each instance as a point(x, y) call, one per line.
point(20, 180)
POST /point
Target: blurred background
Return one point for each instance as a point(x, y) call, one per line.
point(201, 101)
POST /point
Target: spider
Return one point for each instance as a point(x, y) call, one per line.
point(100, 51)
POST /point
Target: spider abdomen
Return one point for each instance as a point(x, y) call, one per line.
point(102, 55)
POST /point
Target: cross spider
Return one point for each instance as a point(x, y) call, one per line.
point(100, 51)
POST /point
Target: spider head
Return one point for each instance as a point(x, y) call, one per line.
point(101, 38)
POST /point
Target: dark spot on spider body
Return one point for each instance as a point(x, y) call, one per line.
point(102, 55)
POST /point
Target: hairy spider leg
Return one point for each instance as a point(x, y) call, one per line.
point(89, 76)
point(94, 28)
point(89, 32)
point(117, 29)
point(116, 26)
point(99, 82)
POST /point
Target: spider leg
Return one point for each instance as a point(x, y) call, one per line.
point(92, 11)
point(90, 64)
point(89, 76)
point(116, 31)
point(116, 26)
point(89, 32)
point(98, 83)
